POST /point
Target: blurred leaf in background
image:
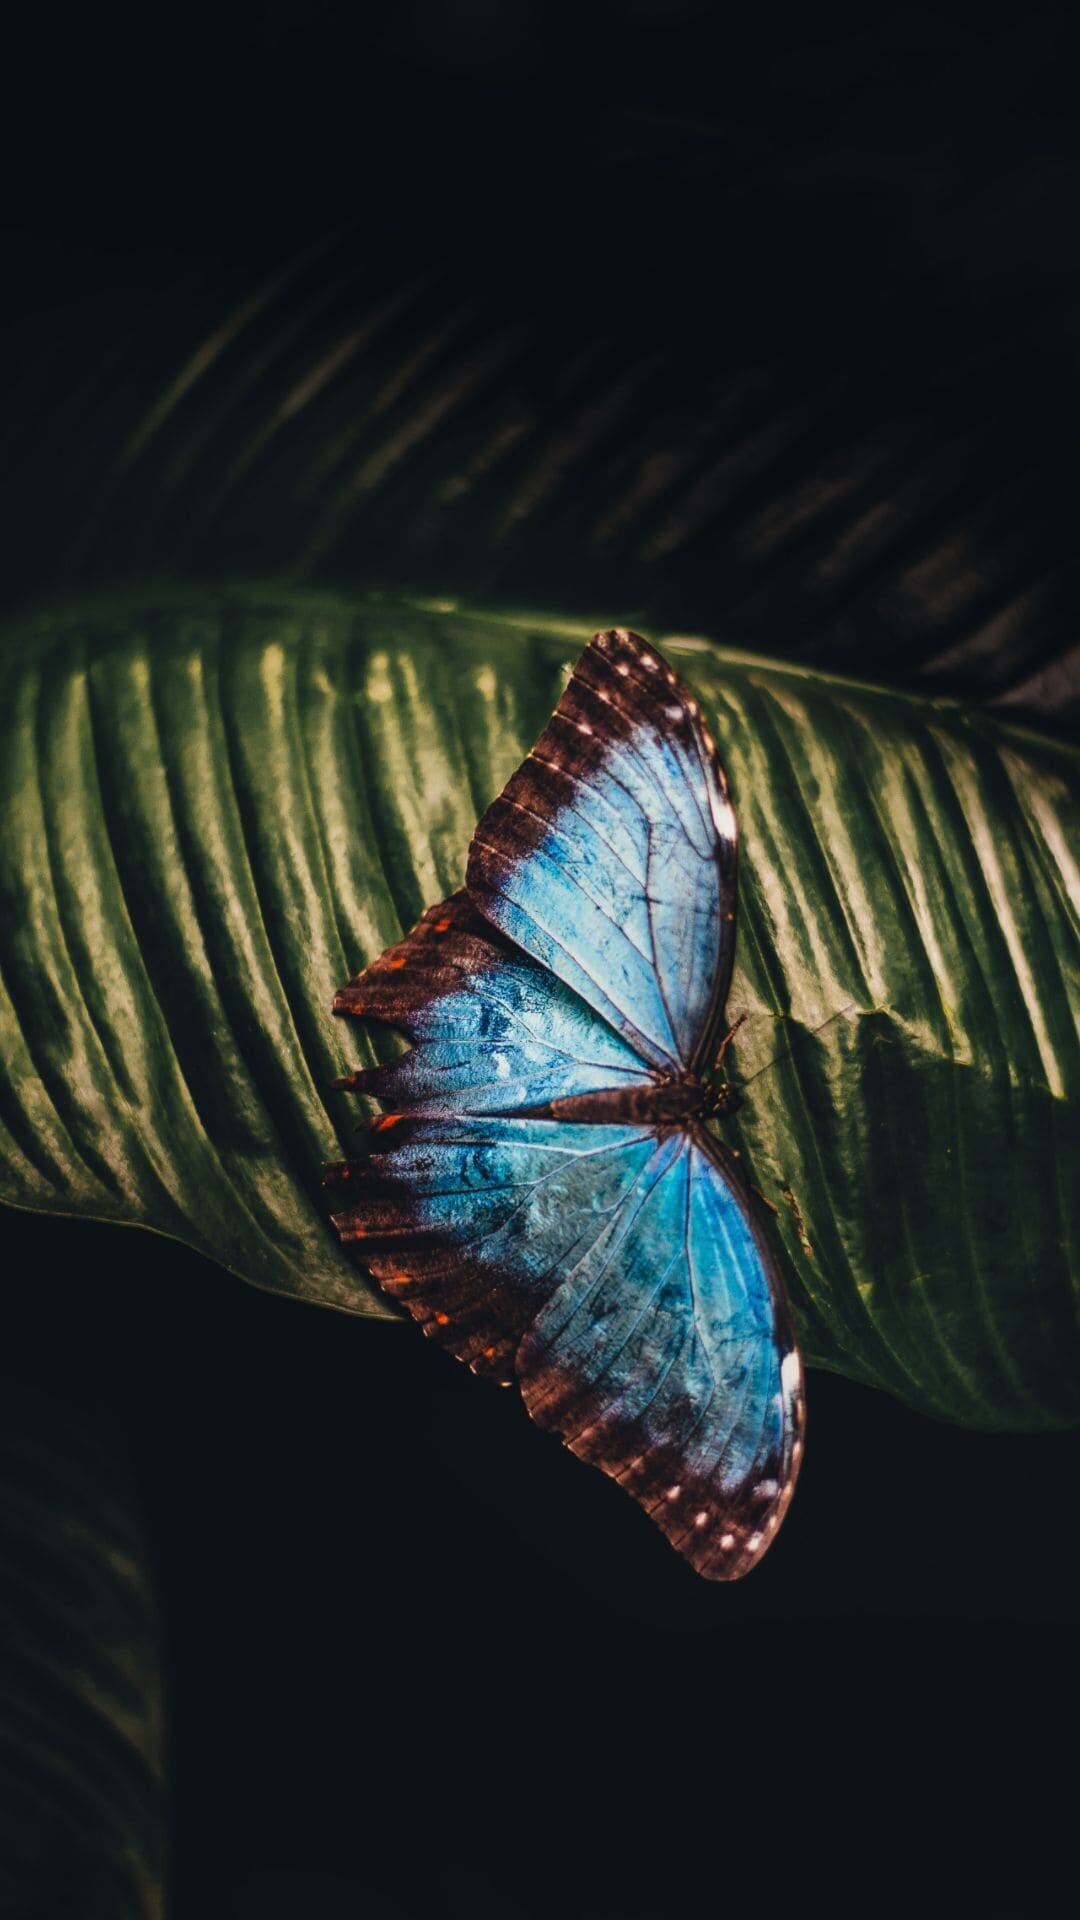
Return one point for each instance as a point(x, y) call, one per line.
point(82, 1813)
point(792, 371)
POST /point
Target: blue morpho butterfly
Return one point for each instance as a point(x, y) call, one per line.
point(544, 1196)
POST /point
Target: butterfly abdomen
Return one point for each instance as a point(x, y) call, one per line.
point(664, 1103)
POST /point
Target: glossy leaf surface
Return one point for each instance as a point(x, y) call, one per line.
point(217, 810)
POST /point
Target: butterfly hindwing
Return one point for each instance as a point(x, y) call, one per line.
point(616, 1272)
point(493, 1031)
point(470, 1224)
point(610, 854)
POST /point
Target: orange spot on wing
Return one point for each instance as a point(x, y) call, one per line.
point(398, 960)
point(443, 1319)
point(442, 926)
point(387, 1120)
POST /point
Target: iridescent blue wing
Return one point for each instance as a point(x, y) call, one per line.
point(668, 1360)
point(471, 1223)
point(493, 1032)
point(616, 1272)
point(609, 857)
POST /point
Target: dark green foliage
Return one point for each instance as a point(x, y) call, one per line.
point(221, 808)
point(82, 1819)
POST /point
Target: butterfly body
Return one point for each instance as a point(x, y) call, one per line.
point(665, 1103)
point(543, 1192)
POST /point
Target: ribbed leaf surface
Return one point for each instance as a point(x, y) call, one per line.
point(216, 811)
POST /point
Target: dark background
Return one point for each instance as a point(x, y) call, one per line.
point(419, 1660)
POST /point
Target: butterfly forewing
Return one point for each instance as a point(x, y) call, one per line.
point(670, 1364)
point(610, 854)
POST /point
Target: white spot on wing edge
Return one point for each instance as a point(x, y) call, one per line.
point(790, 1375)
point(723, 814)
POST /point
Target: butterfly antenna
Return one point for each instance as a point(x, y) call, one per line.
point(806, 1035)
point(727, 1040)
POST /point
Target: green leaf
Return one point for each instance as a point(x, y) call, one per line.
point(218, 809)
point(82, 1827)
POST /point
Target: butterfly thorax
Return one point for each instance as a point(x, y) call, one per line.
point(664, 1103)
